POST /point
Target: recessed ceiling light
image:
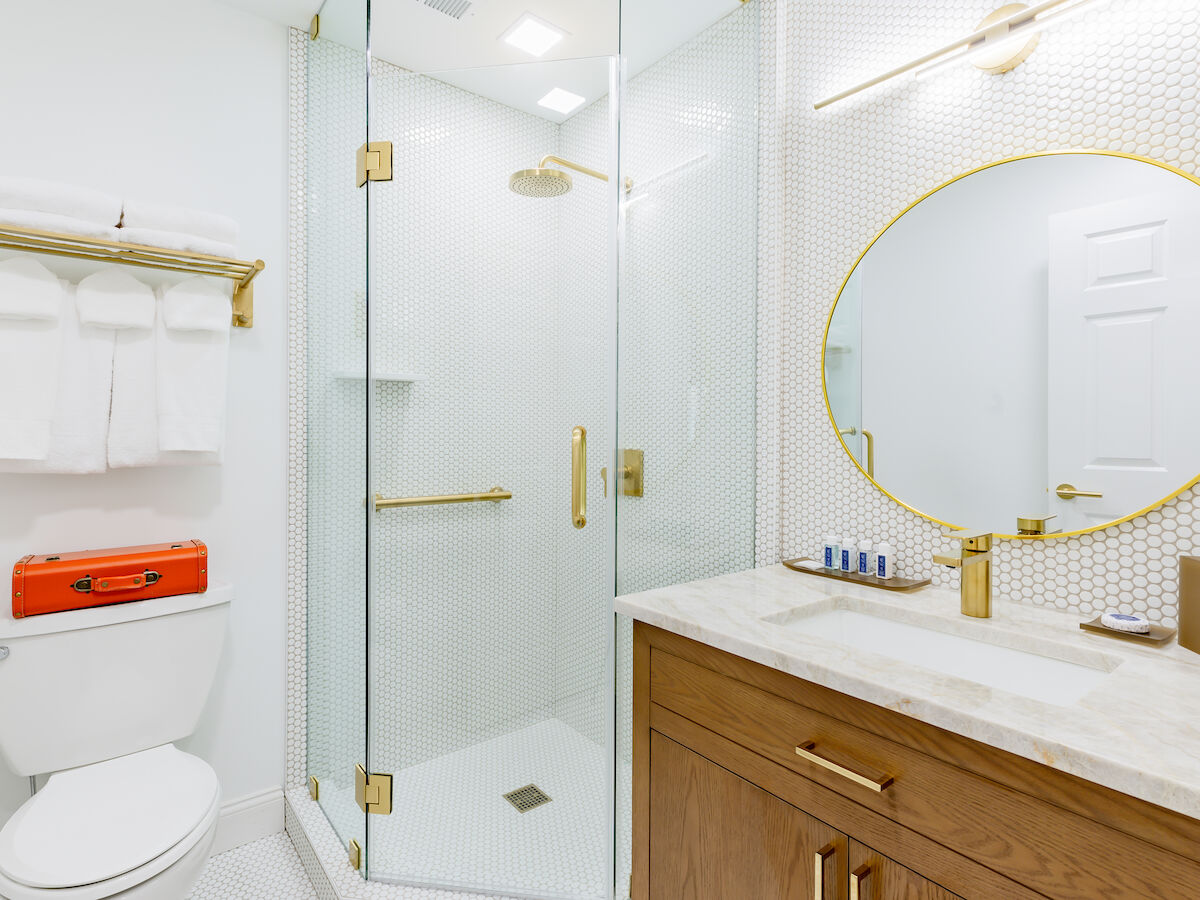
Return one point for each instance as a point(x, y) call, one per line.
point(561, 101)
point(533, 35)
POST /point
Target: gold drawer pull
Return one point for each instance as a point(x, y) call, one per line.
point(857, 877)
point(819, 869)
point(878, 784)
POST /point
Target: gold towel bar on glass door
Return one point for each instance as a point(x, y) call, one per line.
point(496, 494)
point(242, 272)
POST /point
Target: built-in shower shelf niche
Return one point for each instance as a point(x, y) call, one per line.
point(399, 377)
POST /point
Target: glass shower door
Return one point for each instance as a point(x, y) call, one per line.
point(334, 329)
point(492, 329)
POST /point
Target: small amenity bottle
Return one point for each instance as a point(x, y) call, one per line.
point(849, 554)
point(885, 561)
point(864, 558)
point(831, 558)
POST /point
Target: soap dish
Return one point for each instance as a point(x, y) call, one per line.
point(1158, 634)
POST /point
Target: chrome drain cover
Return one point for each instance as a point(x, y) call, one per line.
point(529, 797)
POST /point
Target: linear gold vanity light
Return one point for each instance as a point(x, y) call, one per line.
point(998, 44)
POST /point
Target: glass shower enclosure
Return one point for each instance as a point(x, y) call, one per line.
point(467, 681)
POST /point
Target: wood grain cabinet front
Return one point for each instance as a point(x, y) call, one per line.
point(744, 777)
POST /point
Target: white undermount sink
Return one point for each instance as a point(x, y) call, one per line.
point(1047, 671)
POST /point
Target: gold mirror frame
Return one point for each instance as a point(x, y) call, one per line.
point(829, 321)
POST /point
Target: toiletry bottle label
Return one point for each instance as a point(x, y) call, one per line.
point(881, 566)
point(829, 561)
point(846, 551)
point(864, 567)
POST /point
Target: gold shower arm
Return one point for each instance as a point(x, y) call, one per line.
point(570, 165)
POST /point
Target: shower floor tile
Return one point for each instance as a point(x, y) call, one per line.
point(451, 827)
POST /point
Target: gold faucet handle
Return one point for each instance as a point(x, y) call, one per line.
point(975, 541)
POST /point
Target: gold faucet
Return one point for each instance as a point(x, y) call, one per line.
point(975, 561)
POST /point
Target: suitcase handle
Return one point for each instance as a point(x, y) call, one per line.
point(116, 583)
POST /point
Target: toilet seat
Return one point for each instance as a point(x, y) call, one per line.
point(100, 829)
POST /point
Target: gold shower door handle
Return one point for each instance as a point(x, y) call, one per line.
point(579, 476)
point(870, 452)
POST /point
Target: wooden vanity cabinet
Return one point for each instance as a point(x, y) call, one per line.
point(726, 809)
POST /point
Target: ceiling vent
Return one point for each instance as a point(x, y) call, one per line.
point(455, 9)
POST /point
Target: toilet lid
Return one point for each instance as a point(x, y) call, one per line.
point(97, 822)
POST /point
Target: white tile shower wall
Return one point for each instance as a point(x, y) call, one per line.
point(1122, 77)
point(183, 103)
point(687, 362)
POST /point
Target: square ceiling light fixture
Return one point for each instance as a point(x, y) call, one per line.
point(533, 35)
point(561, 101)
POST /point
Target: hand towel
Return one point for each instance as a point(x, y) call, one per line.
point(192, 365)
point(176, 240)
point(29, 354)
point(59, 199)
point(79, 430)
point(44, 221)
point(157, 217)
point(112, 298)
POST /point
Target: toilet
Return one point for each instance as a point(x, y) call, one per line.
point(96, 698)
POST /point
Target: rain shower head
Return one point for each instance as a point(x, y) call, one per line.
point(539, 182)
point(544, 182)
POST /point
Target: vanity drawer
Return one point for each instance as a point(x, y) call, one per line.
point(1047, 848)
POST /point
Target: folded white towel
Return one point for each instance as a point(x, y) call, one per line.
point(193, 361)
point(157, 217)
point(59, 199)
point(133, 421)
point(176, 240)
point(44, 221)
point(28, 290)
point(29, 354)
point(112, 298)
point(79, 430)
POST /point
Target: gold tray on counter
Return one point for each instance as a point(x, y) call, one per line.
point(888, 584)
point(1158, 634)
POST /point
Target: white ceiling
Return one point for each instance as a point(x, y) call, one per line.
point(419, 38)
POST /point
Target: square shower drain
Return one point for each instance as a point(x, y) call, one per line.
point(529, 797)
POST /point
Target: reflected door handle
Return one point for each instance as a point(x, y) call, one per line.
point(1068, 492)
point(870, 452)
point(579, 476)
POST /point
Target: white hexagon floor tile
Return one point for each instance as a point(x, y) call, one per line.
point(268, 869)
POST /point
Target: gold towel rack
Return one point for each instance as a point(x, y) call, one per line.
point(241, 272)
point(495, 495)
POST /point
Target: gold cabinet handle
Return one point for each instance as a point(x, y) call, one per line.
point(1068, 492)
point(819, 870)
point(579, 476)
point(857, 877)
point(878, 783)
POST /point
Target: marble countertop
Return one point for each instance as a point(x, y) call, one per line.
point(1139, 732)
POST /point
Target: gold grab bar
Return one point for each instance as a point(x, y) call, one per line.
point(579, 476)
point(870, 452)
point(878, 783)
point(1068, 492)
point(495, 495)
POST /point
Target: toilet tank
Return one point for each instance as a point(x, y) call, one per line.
point(88, 685)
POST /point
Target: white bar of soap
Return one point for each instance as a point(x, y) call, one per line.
point(1125, 622)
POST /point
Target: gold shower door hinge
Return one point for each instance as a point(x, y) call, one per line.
point(354, 854)
point(373, 793)
point(374, 162)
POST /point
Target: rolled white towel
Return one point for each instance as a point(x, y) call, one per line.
point(28, 290)
point(192, 365)
point(79, 429)
point(55, 198)
point(29, 352)
point(176, 240)
point(112, 298)
point(158, 217)
point(44, 221)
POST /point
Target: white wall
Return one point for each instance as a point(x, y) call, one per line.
point(187, 106)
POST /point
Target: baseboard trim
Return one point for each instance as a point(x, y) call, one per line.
point(249, 818)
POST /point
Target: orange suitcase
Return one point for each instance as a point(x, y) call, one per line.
point(62, 581)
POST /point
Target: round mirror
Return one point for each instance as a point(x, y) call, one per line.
point(1019, 350)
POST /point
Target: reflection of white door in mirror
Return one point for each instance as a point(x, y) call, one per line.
point(1124, 318)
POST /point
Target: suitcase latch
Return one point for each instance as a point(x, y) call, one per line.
point(123, 582)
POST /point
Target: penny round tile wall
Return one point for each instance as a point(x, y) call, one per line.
point(1121, 76)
